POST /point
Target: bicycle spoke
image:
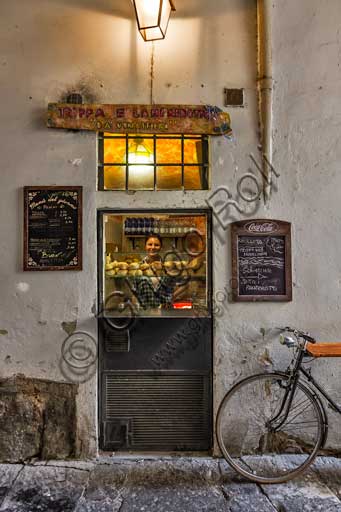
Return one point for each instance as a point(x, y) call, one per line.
point(248, 439)
point(281, 418)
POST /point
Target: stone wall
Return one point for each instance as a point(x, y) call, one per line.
point(37, 419)
point(51, 48)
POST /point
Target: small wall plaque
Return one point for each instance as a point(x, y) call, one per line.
point(233, 97)
point(52, 228)
point(261, 260)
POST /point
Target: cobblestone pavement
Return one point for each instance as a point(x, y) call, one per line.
point(178, 484)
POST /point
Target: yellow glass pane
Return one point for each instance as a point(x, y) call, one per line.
point(114, 151)
point(168, 178)
point(168, 151)
point(192, 179)
point(192, 151)
point(114, 177)
point(141, 150)
point(141, 177)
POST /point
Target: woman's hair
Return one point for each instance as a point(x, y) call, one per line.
point(153, 236)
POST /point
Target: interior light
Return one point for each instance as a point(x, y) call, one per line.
point(139, 153)
point(152, 17)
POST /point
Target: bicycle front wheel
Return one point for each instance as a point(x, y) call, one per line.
point(265, 437)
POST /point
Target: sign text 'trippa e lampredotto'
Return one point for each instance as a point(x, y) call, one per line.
point(192, 119)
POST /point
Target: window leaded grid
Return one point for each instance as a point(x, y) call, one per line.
point(152, 162)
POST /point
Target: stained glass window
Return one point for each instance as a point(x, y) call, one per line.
point(152, 162)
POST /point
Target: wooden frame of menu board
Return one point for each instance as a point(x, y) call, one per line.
point(261, 260)
point(53, 228)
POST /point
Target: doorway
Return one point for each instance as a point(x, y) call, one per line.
point(155, 355)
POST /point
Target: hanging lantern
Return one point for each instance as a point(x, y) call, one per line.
point(152, 17)
point(139, 153)
point(140, 165)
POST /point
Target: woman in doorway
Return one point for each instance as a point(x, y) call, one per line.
point(154, 290)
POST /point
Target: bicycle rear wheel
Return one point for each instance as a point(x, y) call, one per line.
point(268, 451)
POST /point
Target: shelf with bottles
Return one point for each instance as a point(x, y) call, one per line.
point(169, 227)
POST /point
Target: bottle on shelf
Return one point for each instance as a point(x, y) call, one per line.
point(134, 227)
point(156, 226)
point(162, 227)
point(140, 226)
point(146, 225)
point(167, 226)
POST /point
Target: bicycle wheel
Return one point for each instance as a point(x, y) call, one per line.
point(268, 451)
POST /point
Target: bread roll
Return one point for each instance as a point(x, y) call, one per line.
point(144, 266)
point(169, 265)
point(134, 266)
point(122, 265)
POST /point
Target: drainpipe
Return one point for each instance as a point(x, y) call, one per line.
point(265, 87)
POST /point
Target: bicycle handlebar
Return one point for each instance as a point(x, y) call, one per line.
point(298, 333)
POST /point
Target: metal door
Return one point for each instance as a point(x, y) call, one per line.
point(155, 373)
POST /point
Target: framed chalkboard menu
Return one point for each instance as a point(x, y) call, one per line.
point(53, 228)
point(261, 260)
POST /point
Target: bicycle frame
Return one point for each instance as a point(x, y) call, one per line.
point(290, 392)
point(320, 389)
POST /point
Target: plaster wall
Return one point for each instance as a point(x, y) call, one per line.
point(92, 46)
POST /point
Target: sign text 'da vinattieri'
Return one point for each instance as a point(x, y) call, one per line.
point(191, 119)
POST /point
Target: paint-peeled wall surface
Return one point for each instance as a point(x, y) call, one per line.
point(50, 49)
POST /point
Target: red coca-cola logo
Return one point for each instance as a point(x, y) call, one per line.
point(261, 227)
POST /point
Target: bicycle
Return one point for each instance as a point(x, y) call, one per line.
point(266, 417)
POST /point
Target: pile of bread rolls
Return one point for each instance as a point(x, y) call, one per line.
point(137, 269)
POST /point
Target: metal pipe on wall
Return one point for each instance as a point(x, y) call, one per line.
point(265, 87)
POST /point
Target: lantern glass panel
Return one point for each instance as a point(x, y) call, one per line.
point(166, 10)
point(148, 12)
point(152, 34)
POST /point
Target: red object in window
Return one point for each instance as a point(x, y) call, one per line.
point(188, 304)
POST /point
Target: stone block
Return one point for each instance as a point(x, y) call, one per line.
point(37, 419)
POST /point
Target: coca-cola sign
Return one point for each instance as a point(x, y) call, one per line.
point(261, 260)
point(261, 227)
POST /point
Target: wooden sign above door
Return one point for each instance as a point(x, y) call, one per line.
point(189, 119)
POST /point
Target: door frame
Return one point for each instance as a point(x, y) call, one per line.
point(100, 294)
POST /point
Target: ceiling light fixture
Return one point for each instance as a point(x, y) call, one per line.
point(152, 17)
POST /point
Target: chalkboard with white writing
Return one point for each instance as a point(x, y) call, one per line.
point(261, 260)
point(53, 228)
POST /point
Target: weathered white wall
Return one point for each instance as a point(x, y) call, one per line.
point(92, 46)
